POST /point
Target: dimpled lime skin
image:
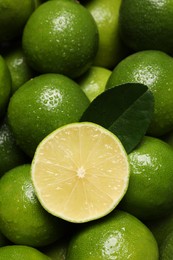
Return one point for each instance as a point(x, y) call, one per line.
point(154, 69)
point(13, 16)
point(147, 24)
point(150, 192)
point(14, 252)
point(22, 218)
point(43, 104)
point(119, 235)
point(5, 86)
point(60, 37)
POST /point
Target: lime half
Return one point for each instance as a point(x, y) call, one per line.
point(80, 172)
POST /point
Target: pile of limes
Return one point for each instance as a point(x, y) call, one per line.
point(69, 190)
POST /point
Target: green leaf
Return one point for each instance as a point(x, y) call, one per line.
point(126, 110)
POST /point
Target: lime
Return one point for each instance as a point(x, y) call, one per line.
point(60, 37)
point(166, 249)
point(150, 191)
point(117, 236)
point(57, 250)
point(13, 16)
point(43, 104)
point(22, 218)
point(18, 67)
point(10, 153)
point(93, 82)
point(111, 49)
point(154, 69)
point(147, 24)
point(5, 87)
point(21, 252)
point(3, 240)
point(87, 169)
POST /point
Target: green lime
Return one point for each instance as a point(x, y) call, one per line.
point(22, 218)
point(43, 104)
point(5, 87)
point(166, 249)
point(150, 191)
point(18, 67)
point(57, 250)
point(13, 16)
point(60, 37)
point(111, 49)
point(117, 236)
point(154, 69)
point(161, 227)
point(147, 24)
point(21, 252)
point(10, 153)
point(93, 82)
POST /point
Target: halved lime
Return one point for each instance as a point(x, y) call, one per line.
point(80, 172)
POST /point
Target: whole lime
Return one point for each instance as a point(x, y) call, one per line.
point(154, 69)
point(14, 252)
point(150, 192)
point(119, 235)
point(10, 153)
point(5, 86)
point(43, 104)
point(60, 37)
point(18, 67)
point(13, 16)
point(147, 24)
point(106, 15)
point(22, 219)
point(93, 82)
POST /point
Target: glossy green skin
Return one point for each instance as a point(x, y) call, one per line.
point(5, 86)
point(13, 16)
point(93, 82)
point(18, 67)
point(154, 69)
point(60, 37)
point(22, 218)
point(15, 252)
point(111, 49)
point(150, 192)
point(147, 25)
point(117, 236)
point(10, 153)
point(43, 104)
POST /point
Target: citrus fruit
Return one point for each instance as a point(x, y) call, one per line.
point(117, 236)
point(5, 87)
point(10, 153)
point(13, 16)
point(166, 249)
point(60, 37)
point(22, 218)
point(43, 104)
point(147, 24)
point(14, 252)
point(93, 82)
point(150, 191)
point(57, 250)
point(161, 227)
point(87, 169)
point(111, 49)
point(154, 69)
point(18, 67)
